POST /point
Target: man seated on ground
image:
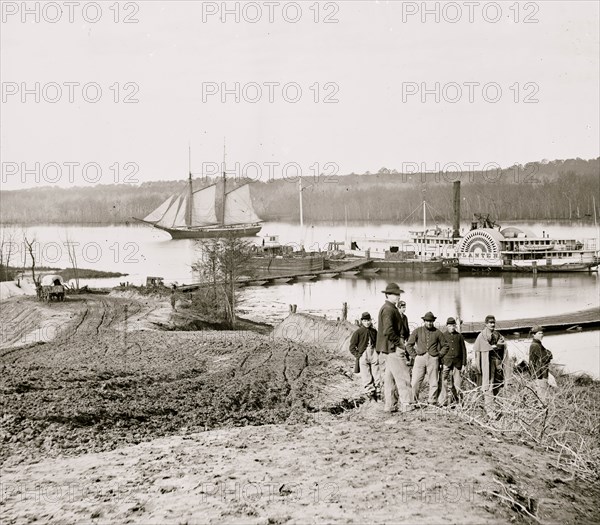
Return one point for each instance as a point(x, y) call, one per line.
point(426, 344)
point(453, 360)
point(362, 347)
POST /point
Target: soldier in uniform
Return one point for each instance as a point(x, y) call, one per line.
point(362, 347)
point(539, 361)
point(453, 360)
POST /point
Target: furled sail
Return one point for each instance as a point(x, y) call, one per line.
point(168, 219)
point(203, 210)
point(238, 207)
point(157, 214)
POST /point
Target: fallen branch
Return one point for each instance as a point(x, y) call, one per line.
point(565, 425)
point(510, 499)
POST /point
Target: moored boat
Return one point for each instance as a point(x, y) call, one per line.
point(370, 271)
point(192, 214)
point(283, 280)
point(430, 250)
point(425, 251)
point(518, 250)
point(306, 278)
point(273, 258)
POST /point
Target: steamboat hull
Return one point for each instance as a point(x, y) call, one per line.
point(412, 266)
point(551, 268)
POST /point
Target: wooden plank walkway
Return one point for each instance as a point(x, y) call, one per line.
point(267, 279)
point(584, 318)
point(353, 265)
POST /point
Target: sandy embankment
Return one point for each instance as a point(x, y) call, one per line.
point(110, 425)
point(9, 289)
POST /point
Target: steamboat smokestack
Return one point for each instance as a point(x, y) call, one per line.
point(456, 225)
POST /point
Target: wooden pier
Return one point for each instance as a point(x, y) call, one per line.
point(584, 318)
point(265, 279)
point(353, 266)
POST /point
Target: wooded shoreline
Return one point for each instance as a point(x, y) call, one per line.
point(537, 191)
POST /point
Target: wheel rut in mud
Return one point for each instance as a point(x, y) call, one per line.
point(98, 386)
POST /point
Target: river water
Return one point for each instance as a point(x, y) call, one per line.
point(142, 251)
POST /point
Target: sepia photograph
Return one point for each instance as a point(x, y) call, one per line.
point(299, 262)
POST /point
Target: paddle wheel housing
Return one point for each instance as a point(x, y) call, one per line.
point(481, 248)
point(480, 242)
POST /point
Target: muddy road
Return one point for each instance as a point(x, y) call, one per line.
point(104, 417)
point(26, 321)
point(104, 376)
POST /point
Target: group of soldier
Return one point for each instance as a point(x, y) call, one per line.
point(393, 362)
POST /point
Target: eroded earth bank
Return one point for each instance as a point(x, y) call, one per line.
point(108, 417)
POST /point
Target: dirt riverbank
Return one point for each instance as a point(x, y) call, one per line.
point(109, 419)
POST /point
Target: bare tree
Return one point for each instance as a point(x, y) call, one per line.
point(30, 244)
point(7, 245)
point(224, 261)
point(73, 258)
point(209, 266)
point(235, 256)
point(2, 267)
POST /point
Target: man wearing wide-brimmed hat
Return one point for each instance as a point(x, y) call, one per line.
point(539, 361)
point(426, 344)
point(362, 347)
point(392, 352)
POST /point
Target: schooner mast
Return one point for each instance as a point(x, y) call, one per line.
point(193, 214)
point(224, 185)
point(188, 215)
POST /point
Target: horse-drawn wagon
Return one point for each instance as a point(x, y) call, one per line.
point(51, 287)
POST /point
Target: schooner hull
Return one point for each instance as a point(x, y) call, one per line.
point(192, 214)
point(212, 232)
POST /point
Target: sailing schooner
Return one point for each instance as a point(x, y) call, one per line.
point(192, 214)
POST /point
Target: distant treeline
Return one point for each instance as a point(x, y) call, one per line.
point(10, 273)
point(558, 189)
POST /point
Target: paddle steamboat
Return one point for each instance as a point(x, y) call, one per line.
point(492, 249)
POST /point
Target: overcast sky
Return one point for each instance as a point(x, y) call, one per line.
point(374, 54)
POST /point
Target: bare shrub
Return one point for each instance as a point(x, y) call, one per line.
point(568, 423)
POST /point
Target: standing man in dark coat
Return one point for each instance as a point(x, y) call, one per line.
point(426, 344)
point(539, 361)
point(405, 333)
point(404, 328)
point(362, 347)
point(392, 352)
point(453, 360)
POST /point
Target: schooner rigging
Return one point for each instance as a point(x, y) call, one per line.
point(192, 214)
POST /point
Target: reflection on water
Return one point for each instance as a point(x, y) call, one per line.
point(470, 297)
point(142, 251)
point(138, 251)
